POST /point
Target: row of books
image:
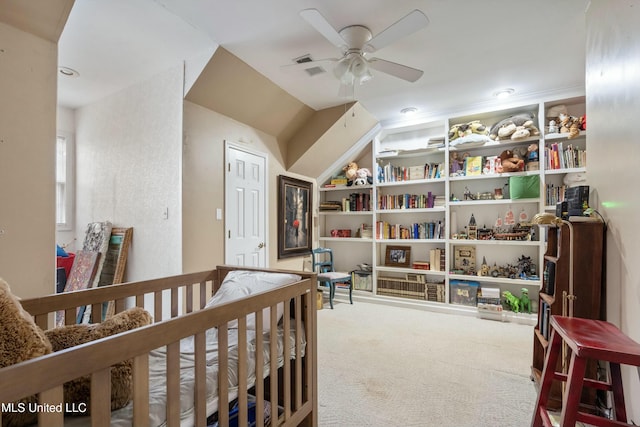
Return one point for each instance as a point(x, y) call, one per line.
point(409, 201)
point(417, 288)
point(391, 173)
point(554, 194)
point(355, 202)
point(559, 157)
point(437, 260)
point(418, 230)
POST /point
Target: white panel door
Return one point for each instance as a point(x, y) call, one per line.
point(245, 208)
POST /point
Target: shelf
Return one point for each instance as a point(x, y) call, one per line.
point(493, 176)
point(408, 211)
point(490, 279)
point(491, 202)
point(353, 188)
point(410, 240)
point(494, 144)
point(565, 170)
point(411, 182)
point(563, 136)
point(343, 213)
point(410, 270)
point(494, 242)
point(346, 239)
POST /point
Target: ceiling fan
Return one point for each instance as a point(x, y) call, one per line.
point(357, 41)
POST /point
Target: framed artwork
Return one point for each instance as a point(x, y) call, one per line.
point(397, 256)
point(294, 217)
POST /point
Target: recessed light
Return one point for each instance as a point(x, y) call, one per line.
point(409, 110)
point(503, 93)
point(68, 72)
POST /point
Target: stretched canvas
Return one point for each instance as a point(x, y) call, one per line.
point(81, 277)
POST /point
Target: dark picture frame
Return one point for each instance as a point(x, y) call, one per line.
point(295, 201)
point(397, 256)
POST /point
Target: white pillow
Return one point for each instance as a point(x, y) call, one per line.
point(241, 283)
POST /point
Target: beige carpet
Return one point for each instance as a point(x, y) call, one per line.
point(387, 366)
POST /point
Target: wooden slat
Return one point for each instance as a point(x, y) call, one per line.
point(157, 306)
point(203, 294)
point(242, 371)
point(140, 300)
point(174, 302)
point(259, 359)
point(140, 377)
point(121, 305)
point(189, 304)
point(42, 321)
point(273, 363)
point(223, 375)
point(52, 397)
point(286, 353)
point(200, 392)
point(173, 384)
point(298, 379)
point(70, 316)
point(96, 313)
point(101, 398)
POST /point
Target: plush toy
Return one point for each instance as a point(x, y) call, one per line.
point(570, 125)
point(532, 153)
point(509, 162)
point(78, 390)
point(522, 123)
point(350, 171)
point(455, 164)
point(363, 177)
point(21, 339)
point(460, 130)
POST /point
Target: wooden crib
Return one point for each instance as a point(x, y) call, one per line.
point(289, 385)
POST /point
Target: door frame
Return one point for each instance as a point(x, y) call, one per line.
point(230, 145)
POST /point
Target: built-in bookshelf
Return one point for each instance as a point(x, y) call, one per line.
point(432, 194)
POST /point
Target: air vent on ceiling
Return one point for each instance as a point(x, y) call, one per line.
point(312, 71)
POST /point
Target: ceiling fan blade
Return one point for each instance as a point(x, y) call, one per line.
point(411, 23)
point(317, 21)
point(309, 64)
point(397, 70)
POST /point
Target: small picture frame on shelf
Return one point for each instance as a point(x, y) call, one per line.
point(398, 256)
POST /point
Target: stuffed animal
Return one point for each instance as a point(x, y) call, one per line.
point(350, 171)
point(505, 128)
point(509, 162)
point(363, 177)
point(78, 390)
point(460, 130)
point(21, 339)
point(570, 125)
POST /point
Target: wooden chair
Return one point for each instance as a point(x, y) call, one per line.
point(322, 259)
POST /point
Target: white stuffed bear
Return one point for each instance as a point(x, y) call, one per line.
point(363, 177)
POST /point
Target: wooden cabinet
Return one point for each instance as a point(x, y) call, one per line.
point(554, 296)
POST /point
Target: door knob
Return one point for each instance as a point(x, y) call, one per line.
point(261, 245)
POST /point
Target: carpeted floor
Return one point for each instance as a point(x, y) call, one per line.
point(386, 366)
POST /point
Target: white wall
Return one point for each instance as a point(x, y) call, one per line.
point(613, 108)
point(128, 171)
point(205, 132)
point(28, 72)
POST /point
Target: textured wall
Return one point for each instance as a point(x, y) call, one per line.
point(205, 132)
point(128, 151)
point(613, 106)
point(28, 70)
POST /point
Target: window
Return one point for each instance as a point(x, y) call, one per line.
point(64, 182)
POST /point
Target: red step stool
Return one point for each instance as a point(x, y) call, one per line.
point(588, 339)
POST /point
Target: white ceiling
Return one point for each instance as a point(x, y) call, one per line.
point(469, 50)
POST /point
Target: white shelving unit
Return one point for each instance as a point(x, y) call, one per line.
point(413, 148)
